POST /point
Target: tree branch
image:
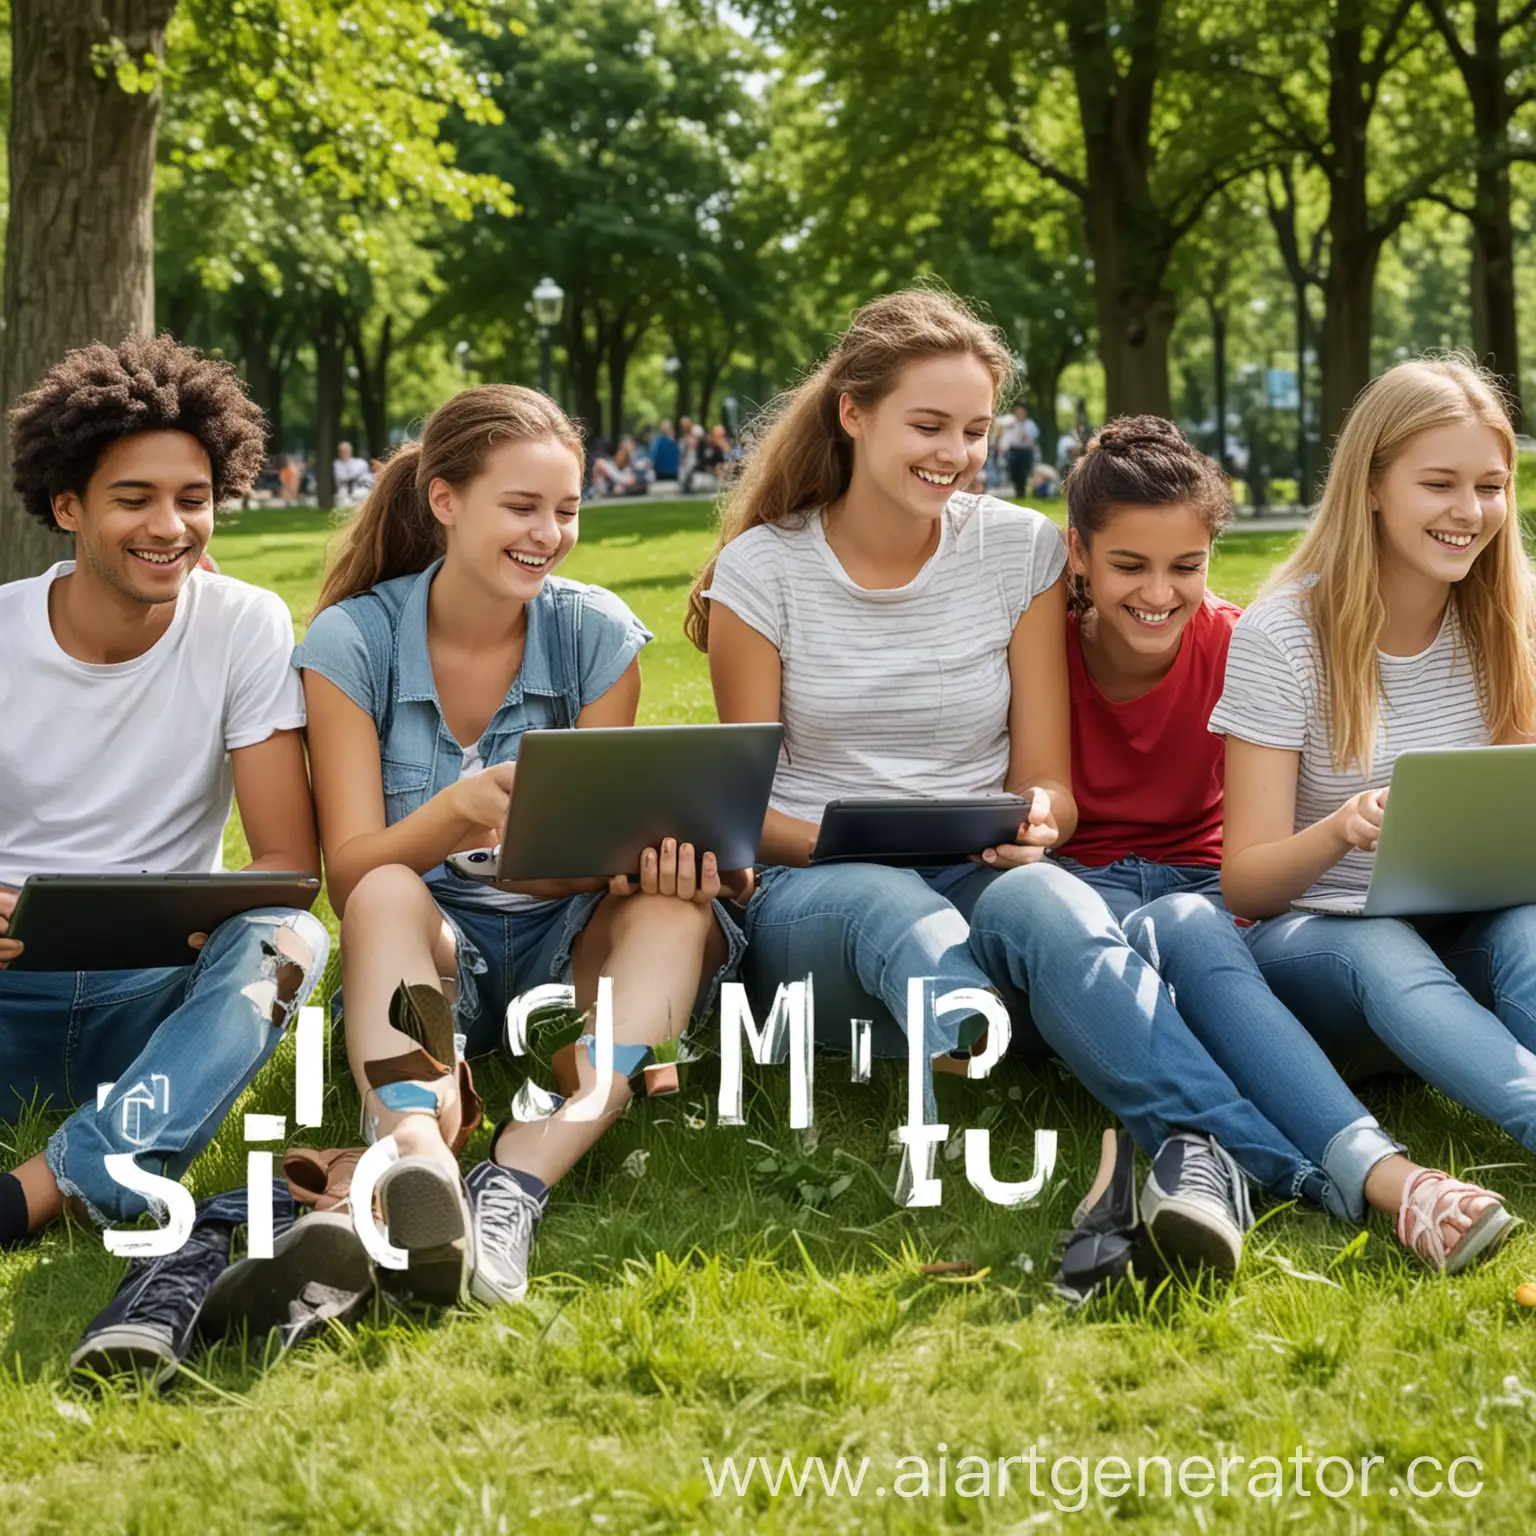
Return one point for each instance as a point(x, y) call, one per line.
point(1446, 28)
point(1017, 140)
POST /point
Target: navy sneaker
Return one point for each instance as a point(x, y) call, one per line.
point(146, 1329)
point(319, 1270)
point(1195, 1204)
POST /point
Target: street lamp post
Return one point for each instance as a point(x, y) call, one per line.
point(548, 301)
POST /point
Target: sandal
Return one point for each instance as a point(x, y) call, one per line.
point(1432, 1202)
point(1107, 1242)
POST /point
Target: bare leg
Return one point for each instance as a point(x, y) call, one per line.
point(658, 950)
point(1385, 1183)
point(393, 932)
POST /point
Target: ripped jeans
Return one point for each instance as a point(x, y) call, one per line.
point(179, 1043)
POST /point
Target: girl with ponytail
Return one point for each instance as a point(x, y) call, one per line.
point(1147, 652)
point(440, 637)
point(910, 637)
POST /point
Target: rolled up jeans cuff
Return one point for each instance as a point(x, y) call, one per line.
point(1348, 1160)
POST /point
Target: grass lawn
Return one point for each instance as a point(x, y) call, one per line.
point(754, 1292)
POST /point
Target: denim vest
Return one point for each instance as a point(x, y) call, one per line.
point(419, 755)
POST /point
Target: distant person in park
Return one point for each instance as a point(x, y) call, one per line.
point(290, 475)
point(1147, 654)
point(620, 475)
point(910, 638)
point(717, 455)
point(441, 635)
point(1019, 441)
point(690, 437)
point(1404, 620)
point(664, 454)
point(141, 696)
point(351, 474)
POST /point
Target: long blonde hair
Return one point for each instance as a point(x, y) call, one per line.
point(804, 458)
point(394, 532)
point(1341, 551)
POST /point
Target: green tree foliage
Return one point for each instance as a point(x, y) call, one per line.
point(631, 125)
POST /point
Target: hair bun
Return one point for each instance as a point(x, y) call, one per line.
point(1126, 434)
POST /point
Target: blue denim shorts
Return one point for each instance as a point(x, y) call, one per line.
point(502, 954)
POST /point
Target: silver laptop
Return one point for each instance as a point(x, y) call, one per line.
point(588, 802)
point(1459, 835)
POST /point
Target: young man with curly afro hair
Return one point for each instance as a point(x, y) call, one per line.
point(140, 696)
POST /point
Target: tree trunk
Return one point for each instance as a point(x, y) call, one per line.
point(1346, 349)
point(1219, 366)
point(1129, 236)
point(79, 245)
point(1495, 326)
point(372, 383)
point(330, 383)
point(618, 369)
point(714, 366)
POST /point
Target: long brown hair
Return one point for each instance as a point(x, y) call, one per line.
point(1339, 559)
point(804, 458)
point(394, 532)
point(1140, 461)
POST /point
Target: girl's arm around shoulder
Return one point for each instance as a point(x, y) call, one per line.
point(747, 676)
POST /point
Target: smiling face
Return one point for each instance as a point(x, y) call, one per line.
point(146, 516)
point(1145, 571)
point(511, 525)
point(927, 438)
point(1441, 501)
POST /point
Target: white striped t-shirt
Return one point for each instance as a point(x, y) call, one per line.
point(901, 691)
point(1274, 697)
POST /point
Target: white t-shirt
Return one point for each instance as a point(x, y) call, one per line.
point(1019, 434)
point(124, 767)
point(1274, 697)
point(896, 692)
point(348, 471)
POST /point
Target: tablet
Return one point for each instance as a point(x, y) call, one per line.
point(137, 922)
point(588, 802)
point(917, 831)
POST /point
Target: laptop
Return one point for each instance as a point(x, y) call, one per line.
point(1458, 836)
point(588, 802)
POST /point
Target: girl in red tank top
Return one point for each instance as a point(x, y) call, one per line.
point(1146, 650)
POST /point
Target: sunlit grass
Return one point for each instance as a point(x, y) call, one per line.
point(727, 1301)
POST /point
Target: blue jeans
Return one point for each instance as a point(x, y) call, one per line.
point(860, 930)
point(1452, 999)
point(1050, 947)
point(1225, 997)
point(181, 1043)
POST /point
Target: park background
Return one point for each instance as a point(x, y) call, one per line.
point(1229, 213)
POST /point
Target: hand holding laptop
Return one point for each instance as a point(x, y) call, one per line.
point(672, 870)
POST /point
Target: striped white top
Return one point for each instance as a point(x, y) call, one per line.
point(901, 691)
point(1274, 697)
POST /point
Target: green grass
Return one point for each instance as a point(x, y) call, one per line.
point(754, 1291)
